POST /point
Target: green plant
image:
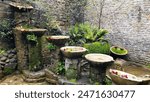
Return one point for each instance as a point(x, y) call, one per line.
point(8, 71)
point(118, 50)
point(2, 51)
point(60, 68)
point(5, 30)
point(98, 47)
point(85, 33)
point(31, 37)
point(51, 47)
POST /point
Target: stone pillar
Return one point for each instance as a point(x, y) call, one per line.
point(72, 67)
point(21, 48)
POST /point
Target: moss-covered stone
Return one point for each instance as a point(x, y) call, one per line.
point(35, 57)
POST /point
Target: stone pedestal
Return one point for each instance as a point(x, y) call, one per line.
point(55, 59)
point(72, 67)
point(98, 73)
point(25, 51)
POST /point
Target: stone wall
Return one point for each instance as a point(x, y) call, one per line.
point(128, 22)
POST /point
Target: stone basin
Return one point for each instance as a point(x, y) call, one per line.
point(58, 39)
point(118, 52)
point(134, 69)
point(97, 59)
point(73, 51)
point(98, 65)
point(20, 6)
point(124, 78)
point(36, 31)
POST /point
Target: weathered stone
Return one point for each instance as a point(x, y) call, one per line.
point(66, 82)
point(11, 65)
point(10, 56)
point(2, 63)
point(5, 55)
point(52, 81)
point(9, 52)
point(34, 75)
point(7, 61)
point(30, 80)
point(3, 59)
point(13, 60)
point(13, 51)
point(50, 75)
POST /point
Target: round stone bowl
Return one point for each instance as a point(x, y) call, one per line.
point(73, 51)
point(58, 39)
point(118, 52)
point(97, 59)
point(123, 78)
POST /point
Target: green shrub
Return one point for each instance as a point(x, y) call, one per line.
point(51, 47)
point(85, 33)
point(60, 68)
point(98, 47)
point(5, 30)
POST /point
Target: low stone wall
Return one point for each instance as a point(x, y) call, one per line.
point(8, 62)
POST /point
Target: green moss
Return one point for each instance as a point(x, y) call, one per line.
point(73, 80)
point(8, 71)
point(71, 73)
point(98, 47)
point(118, 50)
point(35, 57)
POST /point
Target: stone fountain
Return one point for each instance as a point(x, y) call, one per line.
point(73, 57)
point(98, 65)
point(28, 44)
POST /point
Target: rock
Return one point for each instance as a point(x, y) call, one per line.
point(52, 81)
point(9, 68)
point(50, 74)
point(66, 82)
point(7, 61)
point(14, 51)
point(15, 56)
point(34, 75)
point(9, 52)
point(2, 63)
point(10, 56)
point(5, 55)
point(120, 62)
point(13, 60)
point(30, 80)
point(11, 65)
point(3, 59)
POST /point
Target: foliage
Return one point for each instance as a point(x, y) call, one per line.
point(5, 30)
point(98, 47)
point(51, 47)
point(8, 71)
point(85, 33)
point(31, 37)
point(60, 68)
point(118, 50)
point(2, 51)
